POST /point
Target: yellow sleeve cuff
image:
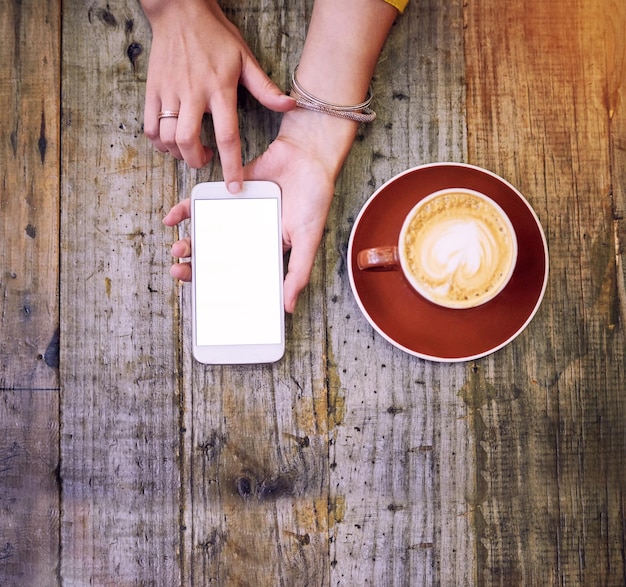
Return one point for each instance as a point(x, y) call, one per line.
point(399, 4)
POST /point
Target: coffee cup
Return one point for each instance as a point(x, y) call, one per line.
point(457, 248)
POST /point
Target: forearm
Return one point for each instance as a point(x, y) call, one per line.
point(154, 9)
point(342, 47)
point(176, 17)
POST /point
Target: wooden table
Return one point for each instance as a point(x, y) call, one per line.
point(349, 463)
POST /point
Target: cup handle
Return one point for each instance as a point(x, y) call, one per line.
point(378, 259)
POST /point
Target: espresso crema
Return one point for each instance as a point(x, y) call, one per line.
point(458, 249)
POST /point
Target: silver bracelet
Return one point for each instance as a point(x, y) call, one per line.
point(359, 112)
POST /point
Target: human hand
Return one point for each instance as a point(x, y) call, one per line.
point(304, 160)
point(197, 60)
point(306, 197)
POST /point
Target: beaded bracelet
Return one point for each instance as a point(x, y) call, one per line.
point(359, 112)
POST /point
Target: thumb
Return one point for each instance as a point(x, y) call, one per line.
point(264, 89)
point(179, 212)
point(299, 270)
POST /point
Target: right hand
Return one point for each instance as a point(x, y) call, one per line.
point(197, 60)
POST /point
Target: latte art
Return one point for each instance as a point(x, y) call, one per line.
point(458, 249)
point(457, 255)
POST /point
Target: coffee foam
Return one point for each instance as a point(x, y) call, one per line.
point(459, 249)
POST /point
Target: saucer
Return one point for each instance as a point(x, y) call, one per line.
point(412, 323)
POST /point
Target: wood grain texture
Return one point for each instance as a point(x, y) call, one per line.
point(402, 451)
point(614, 46)
point(349, 462)
point(29, 200)
point(29, 297)
point(120, 436)
point(545, 85)
point(256, 455)
point(29, 488)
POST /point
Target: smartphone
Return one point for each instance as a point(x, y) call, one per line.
point(237, 280)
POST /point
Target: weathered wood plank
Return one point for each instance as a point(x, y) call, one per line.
point(256, 437)
point(120, 402)
point(29, 490)
point(543, 79)
point(29, 200)
point(29, 305)
point(615, 48)
point(402, 451)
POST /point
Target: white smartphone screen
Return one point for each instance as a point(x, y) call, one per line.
point(237, 276)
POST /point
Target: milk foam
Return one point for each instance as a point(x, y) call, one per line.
point(459, 249)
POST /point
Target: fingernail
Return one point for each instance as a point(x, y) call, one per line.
point(234, 187)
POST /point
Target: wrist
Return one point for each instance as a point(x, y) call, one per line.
point(360, 112)
point(323, 137)
point(164, 11)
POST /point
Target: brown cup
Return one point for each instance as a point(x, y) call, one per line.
point(457, 248)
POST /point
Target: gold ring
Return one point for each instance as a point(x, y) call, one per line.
point(168, 114)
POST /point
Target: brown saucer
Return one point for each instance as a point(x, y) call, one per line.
point(412, 323)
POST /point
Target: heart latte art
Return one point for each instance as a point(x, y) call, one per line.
point(458, 248)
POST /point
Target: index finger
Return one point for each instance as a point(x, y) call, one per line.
point(226, 127)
